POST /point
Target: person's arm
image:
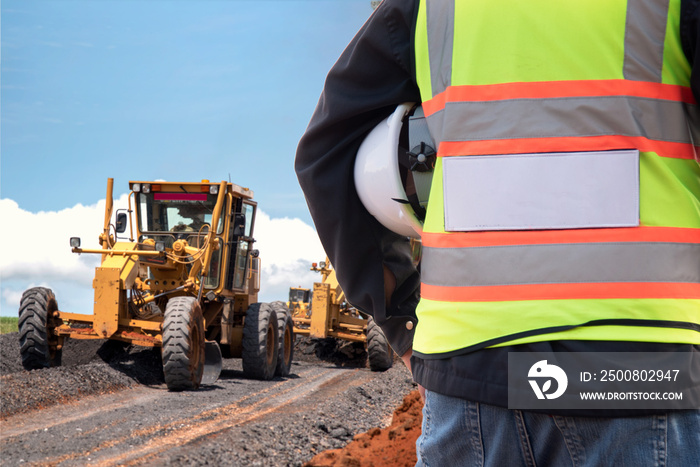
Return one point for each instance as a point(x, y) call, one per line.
point(373, 75)
point(690, 40)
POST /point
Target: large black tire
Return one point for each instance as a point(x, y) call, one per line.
point(183, 344)
point(380, 355)
point(285, 332)
point(260, 342)
point(36, 309)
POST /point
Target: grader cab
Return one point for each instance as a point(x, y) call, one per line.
point(299, 301)
point(324, 312)
point(186, 280)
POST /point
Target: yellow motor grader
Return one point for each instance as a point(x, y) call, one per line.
point(324, 312)
point(187, 282)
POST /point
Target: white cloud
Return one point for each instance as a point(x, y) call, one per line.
point(11, 297)
point(287, 247)
point(38, 242)
point(38, 254)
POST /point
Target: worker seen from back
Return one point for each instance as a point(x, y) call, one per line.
point(561, 238)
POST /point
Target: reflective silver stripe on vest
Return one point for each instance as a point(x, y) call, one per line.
point(440, 18)
point(645, 31)
point(656, 119)
point(560, 264)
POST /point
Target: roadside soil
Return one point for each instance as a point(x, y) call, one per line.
point(108, 405)
point(393, 446)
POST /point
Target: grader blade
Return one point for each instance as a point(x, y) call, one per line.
point(212, 362)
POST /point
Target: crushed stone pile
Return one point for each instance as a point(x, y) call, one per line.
point(88, 367)
point(92, 367)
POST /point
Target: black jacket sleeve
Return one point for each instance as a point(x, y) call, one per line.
point(690, 40)
point(373, 75)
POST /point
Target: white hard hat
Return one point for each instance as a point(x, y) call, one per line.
point(385, 169)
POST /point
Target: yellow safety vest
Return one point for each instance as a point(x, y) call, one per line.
point(599, 92)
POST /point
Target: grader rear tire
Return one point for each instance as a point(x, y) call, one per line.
point(380, 355)
point(183, 344)
point(260, 342)
point(285, 330)
point(35, 315)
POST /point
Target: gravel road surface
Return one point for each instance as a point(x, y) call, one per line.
point(108, 405)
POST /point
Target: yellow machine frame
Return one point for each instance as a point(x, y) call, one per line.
point(126, 265)
point(330, 315)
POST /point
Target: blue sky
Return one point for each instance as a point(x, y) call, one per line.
point(167, 89)
point(176, 90)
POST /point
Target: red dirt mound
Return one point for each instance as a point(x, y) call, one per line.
point(393, 446)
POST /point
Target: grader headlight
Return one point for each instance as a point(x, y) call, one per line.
point(75, 242)
point(214, 189)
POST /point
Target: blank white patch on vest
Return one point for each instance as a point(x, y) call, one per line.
point(569, 190)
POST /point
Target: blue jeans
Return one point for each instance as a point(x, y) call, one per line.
point(457, 432)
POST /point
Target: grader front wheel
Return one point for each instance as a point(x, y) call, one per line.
point(183, 344)
point(37, 346)
point(260, 342)
point(285, 329)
